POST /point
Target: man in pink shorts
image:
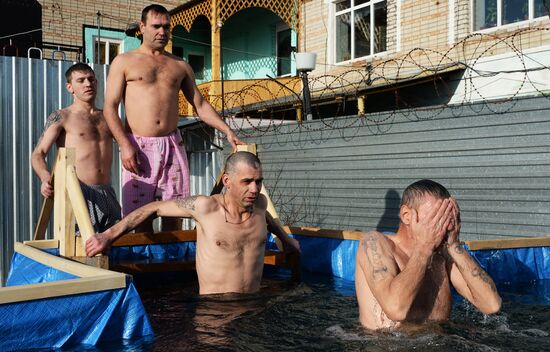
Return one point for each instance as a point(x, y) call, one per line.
point(164, 171)
point(149, 80)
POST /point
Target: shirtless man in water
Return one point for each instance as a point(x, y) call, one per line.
point(406, 277)
point(149, 79)
point(231, 228)
point(82, 126)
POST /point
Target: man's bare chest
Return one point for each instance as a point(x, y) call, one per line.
point(153, 74)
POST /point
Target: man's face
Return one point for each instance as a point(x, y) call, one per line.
point(426, 205)
point(83, 86)
point(245, 184)
point(156, 31)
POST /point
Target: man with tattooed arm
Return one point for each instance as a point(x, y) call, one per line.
point(82, 126)
point(231, 228)
point(407, 277)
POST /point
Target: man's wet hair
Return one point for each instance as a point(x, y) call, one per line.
point(78, 67)
point(155, 8)
point(417, 190)
point(248, 158)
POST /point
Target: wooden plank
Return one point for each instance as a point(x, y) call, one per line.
point(22, 293)
point(60, 263)
point(476, 245)
point(145, 238)
point(80, 209)
point(43, 219)
point(98, 261)
point(42, 244)
point(45, 211)
point(324, 233)
point(63, 214)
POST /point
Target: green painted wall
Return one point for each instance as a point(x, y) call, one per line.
point(128, 43)
point(249, 41)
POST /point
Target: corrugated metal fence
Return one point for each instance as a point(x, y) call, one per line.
point(349, 172)
point(30, 90)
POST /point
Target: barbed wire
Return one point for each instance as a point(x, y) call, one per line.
point(264, 106)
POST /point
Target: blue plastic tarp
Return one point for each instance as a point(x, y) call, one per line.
point(88, 318)
point(336, 257)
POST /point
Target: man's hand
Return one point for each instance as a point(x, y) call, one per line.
point(46, 188)
point(129, 158)
point(291, 245)
point(233, 139)
point(99, 243)
point(430, 231)
point(454, 226)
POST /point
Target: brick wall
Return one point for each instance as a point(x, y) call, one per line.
point(63, 20)
point(424, 24)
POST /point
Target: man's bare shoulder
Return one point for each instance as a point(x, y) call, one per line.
point(376, 241)
point(198, 203)
point(57, 117)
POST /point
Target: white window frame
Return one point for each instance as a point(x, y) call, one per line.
point(107, 41)
point(499, 25)
point(352, 10)
point(281, 27)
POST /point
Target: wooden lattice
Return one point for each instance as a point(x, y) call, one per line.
point(186, 16)
point(287, 10)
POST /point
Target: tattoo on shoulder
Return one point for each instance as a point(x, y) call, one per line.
point(370, 247)
point(187, 203)
point(54, 118)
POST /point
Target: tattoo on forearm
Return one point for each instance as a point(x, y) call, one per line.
point(133, 220)
point(478, 272)
point(187, 203)
point(379, 270)
point(54, 118)
point(459, 249)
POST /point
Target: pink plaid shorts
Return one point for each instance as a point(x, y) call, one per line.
point(164, 171)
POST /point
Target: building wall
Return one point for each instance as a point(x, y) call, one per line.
point(349, 173)
point(421, 35)
point(63, 20)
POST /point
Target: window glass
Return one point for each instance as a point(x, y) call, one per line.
point(343, 37)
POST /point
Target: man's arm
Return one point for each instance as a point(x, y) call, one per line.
point(289, 244)
point(180, 207)
point(472, 282)
point(469, 279)
point(52, 130)
point(116, 84)
point(205, 111)
point(396, 291)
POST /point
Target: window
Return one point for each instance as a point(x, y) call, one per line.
point(197, 64)
point(493, 13)
point(108, 50)
point(360, 28)
point(284, 49)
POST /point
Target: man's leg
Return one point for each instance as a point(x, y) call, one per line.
point(175, 178)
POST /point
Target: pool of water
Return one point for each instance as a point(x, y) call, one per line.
point(320, 314)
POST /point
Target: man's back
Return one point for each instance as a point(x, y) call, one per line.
point(229, 255)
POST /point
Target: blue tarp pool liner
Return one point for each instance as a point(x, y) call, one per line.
point(81, 319)
point(336, 257)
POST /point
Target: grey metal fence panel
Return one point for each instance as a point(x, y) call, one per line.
point(30, 90)
point(350, 172)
